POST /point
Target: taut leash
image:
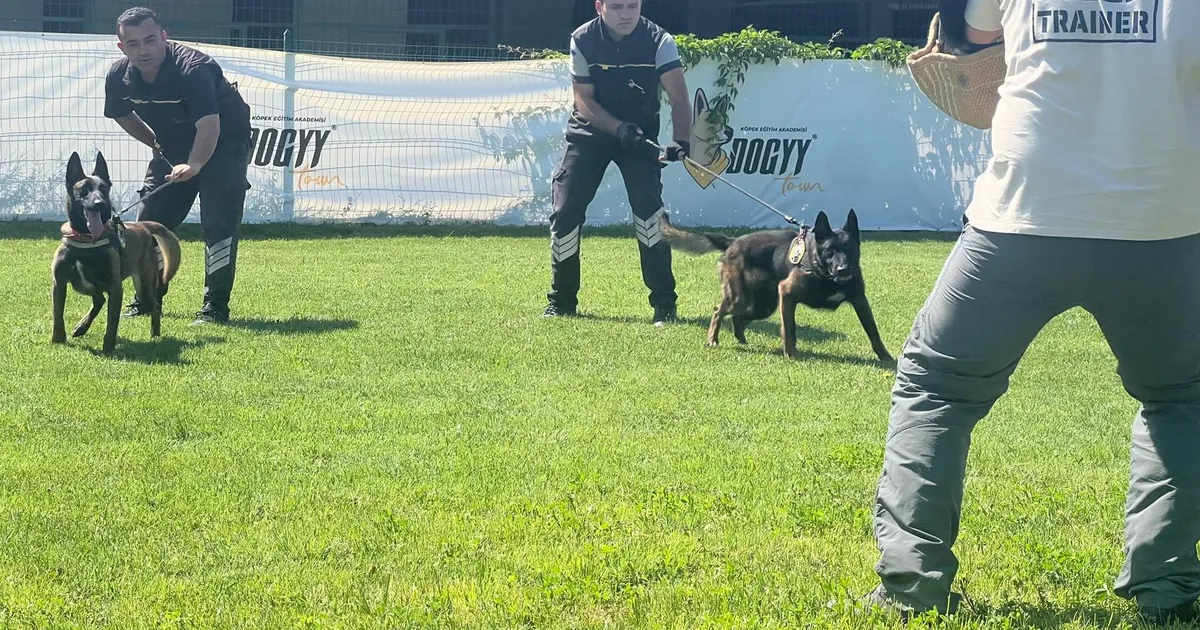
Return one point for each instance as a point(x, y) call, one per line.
point(704, 168)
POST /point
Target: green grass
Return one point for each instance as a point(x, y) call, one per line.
point(390, 436)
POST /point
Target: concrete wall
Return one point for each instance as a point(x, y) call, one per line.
point(21, 15)
point(537, 23)
point(330, 21)
point(194, 18)
point(710, 18)
point(526, 23)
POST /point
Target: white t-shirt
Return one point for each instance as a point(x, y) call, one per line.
point(1097, 132)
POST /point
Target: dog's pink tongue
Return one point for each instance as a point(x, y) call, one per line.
point(95, 225)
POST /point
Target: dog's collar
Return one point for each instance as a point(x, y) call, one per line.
point(84, 241)
point(802, 254)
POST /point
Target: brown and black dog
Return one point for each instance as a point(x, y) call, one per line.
point(778, 269)
point(98, 252)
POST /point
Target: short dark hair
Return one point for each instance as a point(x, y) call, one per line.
point(135, 16)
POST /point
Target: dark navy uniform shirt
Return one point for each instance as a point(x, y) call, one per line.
point(189, 86)
point(625, 72)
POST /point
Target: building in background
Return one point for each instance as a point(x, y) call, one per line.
point(465, 29)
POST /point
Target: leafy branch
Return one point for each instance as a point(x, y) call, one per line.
point(530, 53)
point(734, 52)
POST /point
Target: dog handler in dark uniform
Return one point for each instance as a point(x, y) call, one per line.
point(618, 61)
point(176, 100)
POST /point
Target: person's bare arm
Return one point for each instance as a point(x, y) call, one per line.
point(118, 107)
point(984, 22)
point(976, 36)
point(136, 127)
point(584, 92)
point(199, 89)
point(681, 109)
point(585, 102)
point(208, 129)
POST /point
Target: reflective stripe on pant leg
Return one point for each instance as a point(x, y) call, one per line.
point(649, 230)
point(574, 185)
point(643, 179)
point(223, 188)
point(564, 246)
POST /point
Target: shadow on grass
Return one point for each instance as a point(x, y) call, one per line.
point(162, 351)
point(294, 326)
point(803, 333)
point(38, 229)
point(805, 356)
point(1047, 616)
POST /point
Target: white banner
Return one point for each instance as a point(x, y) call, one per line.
point(355, 140)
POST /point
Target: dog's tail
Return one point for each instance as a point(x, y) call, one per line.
point(694, 242)
point(168, 244)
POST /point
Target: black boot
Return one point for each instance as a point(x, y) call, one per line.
point(664, 315)
point(135, 310)
point(554, 310)
point(211, 314)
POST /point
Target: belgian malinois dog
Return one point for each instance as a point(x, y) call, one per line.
point(98, 252)
point(778, 269)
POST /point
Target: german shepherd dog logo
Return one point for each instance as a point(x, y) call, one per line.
point(98, 252)
point(707, 144)
point(778, 269)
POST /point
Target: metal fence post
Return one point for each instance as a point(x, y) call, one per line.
point(289, 113)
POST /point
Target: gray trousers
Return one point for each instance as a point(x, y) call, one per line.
point(994, 295)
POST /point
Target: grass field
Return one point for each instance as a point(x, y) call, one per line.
point(389, 436)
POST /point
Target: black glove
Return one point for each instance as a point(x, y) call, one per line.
point(677, 150)
point(630, 135)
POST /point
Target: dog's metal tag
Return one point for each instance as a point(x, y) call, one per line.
point(796, 251)
point(119, 228)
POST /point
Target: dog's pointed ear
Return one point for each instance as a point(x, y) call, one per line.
point(74, 170)
point(851, 226)
point(700, 103)
point(101, 169)
point(821, 228)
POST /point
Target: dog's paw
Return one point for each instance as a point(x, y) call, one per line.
point(79, 332)
point(58, 338)
point(711, 343)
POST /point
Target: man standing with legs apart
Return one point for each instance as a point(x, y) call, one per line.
point(618, 61)
point(176, 100)
point(1090, 200)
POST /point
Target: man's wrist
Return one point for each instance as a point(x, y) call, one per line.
point(678, 150)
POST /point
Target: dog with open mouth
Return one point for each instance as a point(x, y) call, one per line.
point(98, 252)
point(771, 270)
